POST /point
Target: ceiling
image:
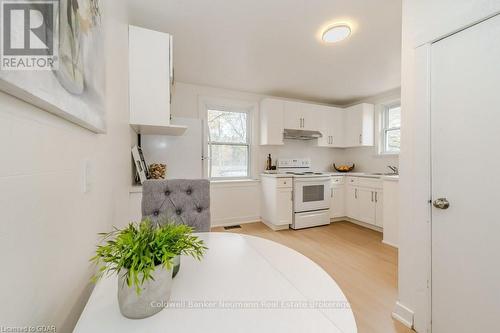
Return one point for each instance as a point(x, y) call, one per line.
point(273, 47)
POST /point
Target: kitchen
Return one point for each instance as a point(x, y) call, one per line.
point(280, 156)
point(246, 194)
point(226, 130)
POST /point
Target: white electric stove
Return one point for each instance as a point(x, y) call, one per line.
point(311, 193)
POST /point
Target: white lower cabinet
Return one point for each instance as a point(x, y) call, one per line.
point(365, 205)
point(364, 200)
point(351, 201)
point(379, 208)
point(277, 202)
point(337, 197)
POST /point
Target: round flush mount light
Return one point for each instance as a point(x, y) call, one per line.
point(336, 33)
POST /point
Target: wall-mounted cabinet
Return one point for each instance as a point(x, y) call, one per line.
point(150, 80)
point(359, 121)
point(341, 128)
point(271, 122)
point(331, 125)
point(300, 116)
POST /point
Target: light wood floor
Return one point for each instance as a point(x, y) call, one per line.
point(364, 268)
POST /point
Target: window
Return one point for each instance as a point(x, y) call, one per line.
point(391, 129)
point(228, 143)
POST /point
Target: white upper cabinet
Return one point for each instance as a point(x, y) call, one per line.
point(150, 78)
point(271, 122)
point(300, 116)
point(352, 127)
point(359, 125)
point(311, 116)
point(292, 115)
point(332, 127)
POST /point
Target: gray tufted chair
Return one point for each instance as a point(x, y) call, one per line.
point(183, 201)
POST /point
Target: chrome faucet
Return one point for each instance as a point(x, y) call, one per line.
point(394, 169)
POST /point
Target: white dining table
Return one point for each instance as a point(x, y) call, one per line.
point(243, 284)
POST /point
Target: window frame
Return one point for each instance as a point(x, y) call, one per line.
point(226, 106)
point(385, 129)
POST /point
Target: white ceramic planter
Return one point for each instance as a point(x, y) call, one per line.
point(153, 297)
point(176, 265)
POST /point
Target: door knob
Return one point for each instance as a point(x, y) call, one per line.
point(441, 203)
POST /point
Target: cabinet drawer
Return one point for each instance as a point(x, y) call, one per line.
point(364, 182)
point(369, 182)
point(352, 180)
point(284, 182)
point(337, 180)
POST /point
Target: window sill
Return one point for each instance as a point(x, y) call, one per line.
point(388, 154)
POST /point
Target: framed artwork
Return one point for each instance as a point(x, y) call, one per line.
point(75, 89)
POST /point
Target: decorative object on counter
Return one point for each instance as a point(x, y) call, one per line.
point(157, 171)
point(269, 162)
point(344, 168)
point(143, 257)
point(141, 169)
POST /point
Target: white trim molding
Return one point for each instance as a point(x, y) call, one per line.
point(249, 107)
point(403, 314)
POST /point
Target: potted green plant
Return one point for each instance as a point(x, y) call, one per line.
point(142, 256)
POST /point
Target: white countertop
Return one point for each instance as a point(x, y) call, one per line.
point(237, 269)
point(340, 174)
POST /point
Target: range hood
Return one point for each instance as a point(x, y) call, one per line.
point(301, 134)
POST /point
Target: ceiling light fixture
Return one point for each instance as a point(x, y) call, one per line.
point(336, 33)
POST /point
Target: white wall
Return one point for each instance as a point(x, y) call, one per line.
point(48, 228)
point(423, 21)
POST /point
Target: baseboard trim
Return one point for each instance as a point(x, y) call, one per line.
point(233, 221)
point(275, 227)
point(403, 314)
point(363, 224)
point(390, 244)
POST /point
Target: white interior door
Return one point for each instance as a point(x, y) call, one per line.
point(465, 140)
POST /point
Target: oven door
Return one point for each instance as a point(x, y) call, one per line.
point(311, 194)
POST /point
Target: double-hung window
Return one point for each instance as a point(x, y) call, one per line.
point(228, 143)
point(391, 129)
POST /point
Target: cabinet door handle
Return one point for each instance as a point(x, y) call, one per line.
point(360, 138)
point(372, 196)
point(376, 196)
point(331, 192)
point(355, 193)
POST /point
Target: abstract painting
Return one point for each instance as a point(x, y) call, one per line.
point(75, 90)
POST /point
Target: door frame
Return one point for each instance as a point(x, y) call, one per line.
point(422, 150)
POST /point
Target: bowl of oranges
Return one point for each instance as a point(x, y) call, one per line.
point(343, 168)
